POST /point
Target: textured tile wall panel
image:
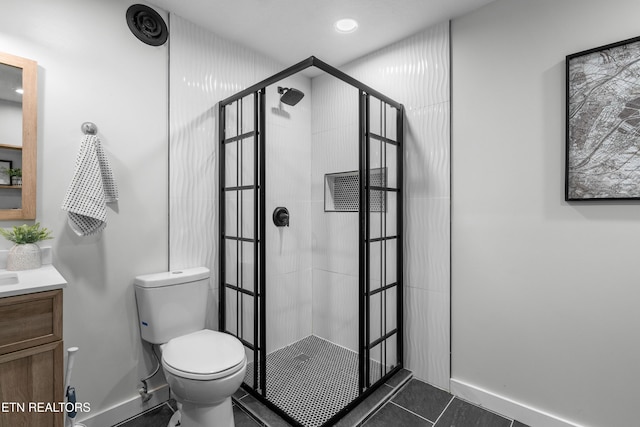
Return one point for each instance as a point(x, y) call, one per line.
point(205, 69)
point(335, 104)
point(335, 308)
point(334, 150)
point(288, 164)
point(426, 335)
point(415, 72)
point(335, 240)
point(289, 314)
point(288, 184)
point(427, 151)
point(427, 257)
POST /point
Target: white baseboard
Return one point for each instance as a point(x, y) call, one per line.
point(507, 407)
point(125, 410)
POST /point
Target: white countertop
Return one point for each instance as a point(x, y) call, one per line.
point(41, 279)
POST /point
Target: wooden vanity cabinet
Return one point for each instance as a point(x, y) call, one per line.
point(31, 358)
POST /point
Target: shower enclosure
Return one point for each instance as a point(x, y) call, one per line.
point(311, 239)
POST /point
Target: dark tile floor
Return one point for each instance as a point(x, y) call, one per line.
point(160, 416)
point(415, 404)
point(421, 404)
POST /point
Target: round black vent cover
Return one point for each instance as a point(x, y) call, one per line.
point(147, 25)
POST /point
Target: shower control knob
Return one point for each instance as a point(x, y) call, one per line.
point(281, 217)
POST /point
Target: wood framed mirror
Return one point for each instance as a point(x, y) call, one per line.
point(18, 137)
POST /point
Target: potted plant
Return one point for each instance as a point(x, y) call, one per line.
point(15, 175)
point(25, 254)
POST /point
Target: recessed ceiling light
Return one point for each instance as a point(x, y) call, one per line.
point(20, 91)
point(346, 25)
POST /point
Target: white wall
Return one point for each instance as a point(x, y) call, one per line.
point(92, 68)
point(544, 292)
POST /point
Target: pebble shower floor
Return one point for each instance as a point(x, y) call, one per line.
point(311, 379)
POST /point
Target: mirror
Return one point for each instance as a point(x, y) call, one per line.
point(18, 137)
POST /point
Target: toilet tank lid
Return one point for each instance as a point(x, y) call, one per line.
point(168, 278)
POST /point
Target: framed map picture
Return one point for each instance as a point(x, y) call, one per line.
point(603, 123)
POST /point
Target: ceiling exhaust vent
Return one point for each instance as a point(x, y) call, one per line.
point(147, 25)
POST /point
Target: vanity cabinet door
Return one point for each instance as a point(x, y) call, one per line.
point(30, 320)
point(31, 360)
point(32, 375)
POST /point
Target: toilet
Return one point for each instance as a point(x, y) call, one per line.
point(202, 367)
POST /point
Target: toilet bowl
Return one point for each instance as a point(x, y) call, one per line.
point(203, 367)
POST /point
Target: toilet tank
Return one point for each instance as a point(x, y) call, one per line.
point(171, 303)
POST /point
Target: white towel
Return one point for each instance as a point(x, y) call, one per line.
point(91, 188)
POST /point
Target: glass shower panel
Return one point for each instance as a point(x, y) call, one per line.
point(312, 264)
point(239, 230)
point(317, 302)
point(231, 165)
point(382, 282)
point(385, 223)
point(248, 156)
point(238, 222)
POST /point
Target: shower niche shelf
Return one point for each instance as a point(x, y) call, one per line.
point(342, 191)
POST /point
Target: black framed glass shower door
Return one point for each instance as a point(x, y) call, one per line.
point(242, 197)
point(381, 309)
point(243, 289)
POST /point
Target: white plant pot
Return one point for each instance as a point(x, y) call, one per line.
point(24, 257)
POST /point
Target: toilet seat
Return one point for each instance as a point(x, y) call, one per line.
point(204, 355)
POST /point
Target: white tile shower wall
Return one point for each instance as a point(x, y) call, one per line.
point(205, 69)
point(288, 308)
point(288, 184)
point(334, 298)
point(415, 72)
point(335, 234)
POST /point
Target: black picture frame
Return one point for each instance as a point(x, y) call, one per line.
point(5, 178)
point(603, 123)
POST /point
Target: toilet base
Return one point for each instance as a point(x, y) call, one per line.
point(175, 419)
point(220, 415)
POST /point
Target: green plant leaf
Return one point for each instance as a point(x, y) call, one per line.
point(22, 234)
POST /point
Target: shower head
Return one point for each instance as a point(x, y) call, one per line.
point(290, 96)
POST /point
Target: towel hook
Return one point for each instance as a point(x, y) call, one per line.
point(89, 128)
